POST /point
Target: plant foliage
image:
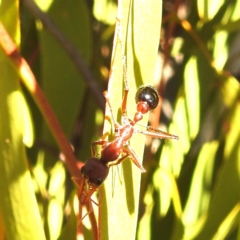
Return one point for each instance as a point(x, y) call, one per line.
point(191, 188)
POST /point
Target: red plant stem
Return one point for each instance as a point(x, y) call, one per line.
point(29, 80)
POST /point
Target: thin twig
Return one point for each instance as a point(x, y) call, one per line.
point(187, 26)
point(72, 52)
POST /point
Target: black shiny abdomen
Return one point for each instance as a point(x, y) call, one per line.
point(149, 95)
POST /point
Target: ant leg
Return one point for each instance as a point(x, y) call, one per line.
point(100, 142)
point(157, 133)
point(133, 157)
point(89, 209)
point(126, 89)
point(118, 160)
point(79, 183)
point(115, 123)
point(79, 214)
point(79, 219)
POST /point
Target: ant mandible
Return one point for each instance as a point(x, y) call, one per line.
point(95, 171)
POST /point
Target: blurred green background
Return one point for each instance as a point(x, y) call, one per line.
point(192, 186)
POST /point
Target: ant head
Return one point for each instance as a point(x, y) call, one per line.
point(95, 171)
point(148, 95)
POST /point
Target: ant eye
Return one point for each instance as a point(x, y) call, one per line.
point(149, 95)
point(96, 181)
point(99, 181)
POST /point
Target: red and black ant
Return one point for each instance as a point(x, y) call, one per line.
point(95, 171)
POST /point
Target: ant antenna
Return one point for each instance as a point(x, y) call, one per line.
point(124, 64)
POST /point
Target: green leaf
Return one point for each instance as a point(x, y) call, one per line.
point(119, 197)
point(105, 11)
point(192, 91)
point(228, 224)
point(28, 137)
point(208, 9)
point(199, 194)
point(56, 203)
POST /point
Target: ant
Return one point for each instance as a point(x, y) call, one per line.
point(96, 170)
